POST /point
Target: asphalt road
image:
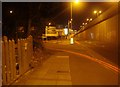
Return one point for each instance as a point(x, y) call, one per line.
point(110, 51)
point(85, 68)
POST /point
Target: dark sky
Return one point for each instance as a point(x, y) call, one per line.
point(45, 12)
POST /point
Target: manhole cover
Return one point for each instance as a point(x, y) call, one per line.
point(62, 71)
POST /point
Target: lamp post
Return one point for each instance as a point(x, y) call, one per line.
point(71, 15)
point(11, 12)
point(47, 27)
point(71, 11)
point(97, 12)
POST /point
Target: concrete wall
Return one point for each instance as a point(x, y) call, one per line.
point(103, 29)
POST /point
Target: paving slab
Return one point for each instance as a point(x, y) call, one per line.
point(54, 71)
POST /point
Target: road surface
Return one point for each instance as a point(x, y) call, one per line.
point(85, 71)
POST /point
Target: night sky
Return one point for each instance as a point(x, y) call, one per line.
point(42, 13)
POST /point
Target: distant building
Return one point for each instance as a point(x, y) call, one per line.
point(52, 31)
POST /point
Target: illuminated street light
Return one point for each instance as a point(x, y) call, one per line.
point(90, 19)
point(83, 23)
point(95, 12)
point(49, 23)
point(87, 19)
point(77, 1)
point(100, 12)
point(11, 12)
point(71, 11)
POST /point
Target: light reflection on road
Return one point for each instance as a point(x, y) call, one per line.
point(105, 64)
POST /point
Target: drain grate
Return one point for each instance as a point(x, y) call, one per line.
point(62, 71)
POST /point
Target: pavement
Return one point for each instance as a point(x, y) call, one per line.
point(54, 71)
point(60, 42)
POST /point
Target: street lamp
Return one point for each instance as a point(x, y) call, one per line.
point(83, 23)
point(100, 12)
point(49, 24)
point(89, 19)
point(77, 1)
point(11, 12)
point(97, 12)
point(71, 18)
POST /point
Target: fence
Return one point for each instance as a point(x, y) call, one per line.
point(16, 58)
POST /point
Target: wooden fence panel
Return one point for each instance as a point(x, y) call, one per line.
point(12, 54)
point(7, 61)
point(14, 60)
point(11, 59)
point(4, 81)
point(19, 56)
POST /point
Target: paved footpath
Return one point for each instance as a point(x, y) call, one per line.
point(54, 71)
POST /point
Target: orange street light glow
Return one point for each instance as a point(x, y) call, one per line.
point(100, 11)
point(95, 12)
point(87, 19)
point(76, 1)
point(90, 19)
point(85, 23)
point(49, 23)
